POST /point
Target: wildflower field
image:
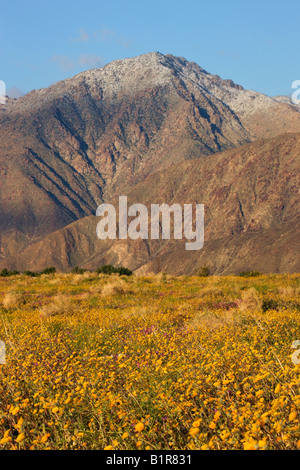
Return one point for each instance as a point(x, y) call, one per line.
point(98, 361)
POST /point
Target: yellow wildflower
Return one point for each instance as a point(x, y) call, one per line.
point(262, 443)
point(196, 423)
point(5, 440)
point(278, 388)
point(20, 437)
point(15, 410)
point(139, 427)
point(292, 415)
point(193, 431)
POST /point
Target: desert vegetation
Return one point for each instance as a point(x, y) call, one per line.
point(105, 360)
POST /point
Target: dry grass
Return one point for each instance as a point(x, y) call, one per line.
point(141, 312)
point(116, 286)
point(14, 300)
point(210, 291)
point(212, 320)
point(250, 301)
point(77, 278)
point(288, 291)
point(60, 304)
point(160, 278)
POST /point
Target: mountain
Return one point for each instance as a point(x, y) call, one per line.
point(159, 129)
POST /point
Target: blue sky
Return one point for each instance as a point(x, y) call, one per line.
point(255, 43)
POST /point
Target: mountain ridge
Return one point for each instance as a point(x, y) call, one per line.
point(67, 148)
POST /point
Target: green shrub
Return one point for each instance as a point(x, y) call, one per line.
point(270, 304)
point(5, 273)
point(106, 269)
point(109, 269)
point(31, 274)
point(250, 274)
point(78, 270)
point(203, 271)
point(124, 271)
point(51, 270)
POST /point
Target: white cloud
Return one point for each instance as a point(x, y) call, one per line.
point(84, 61)
point(105, 35)
point(109, 35)
point(90, 60)
point(64, 63)
point(83, 36)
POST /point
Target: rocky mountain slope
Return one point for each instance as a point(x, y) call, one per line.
point(160, 129)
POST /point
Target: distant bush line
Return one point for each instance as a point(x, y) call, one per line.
point(6, 273)
point(107, 269)
point(250, 274)
point(204, 271)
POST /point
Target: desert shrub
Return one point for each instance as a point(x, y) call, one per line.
point(5, 273)
point(106, 269)
point(124, 271)
point(51, 270)
point(78, 270)
point(270, 304)
point(203, 272)
point(31, 274)
point(109, 269)
point(250, 274)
